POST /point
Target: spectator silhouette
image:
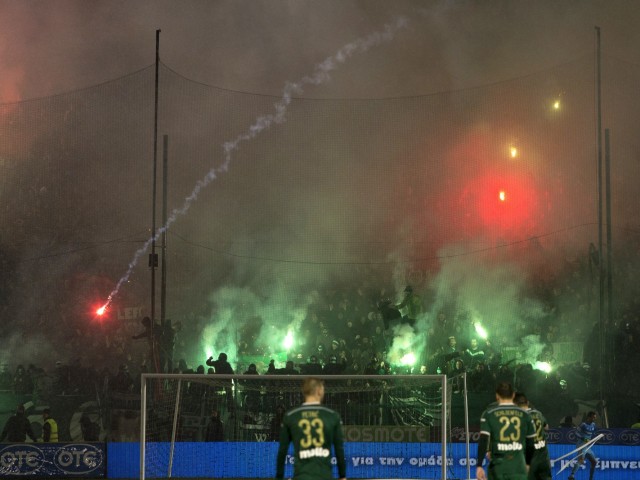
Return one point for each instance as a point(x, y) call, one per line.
point(410, 307)
point(215, 428)
point(334, 367)
point(90, 429)
point(153, 333)
point(22, 384)
point(122, 382)
point(312, 367)
point(289, 369)
point(221, 365)
point(49, 427)
point(6, 379)
point(17, 427)
point(276, 423)
point(62, 379)
point(251, 389)
point(567, 422)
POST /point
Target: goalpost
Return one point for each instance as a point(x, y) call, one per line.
point(395, 426)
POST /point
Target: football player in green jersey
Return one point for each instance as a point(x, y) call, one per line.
point(313, 429)
point(540, 468)
point(506, 433)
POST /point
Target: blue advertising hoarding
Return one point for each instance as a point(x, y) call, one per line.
point(400, 460)
point(610, 436)
point(256, 460)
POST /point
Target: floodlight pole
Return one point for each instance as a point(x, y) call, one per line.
point(143, 423)
point(601, 323)
point(163, 282)
point(444, 425)
point(609, 346)
point(153, 259)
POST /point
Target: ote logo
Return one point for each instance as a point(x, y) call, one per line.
point(630, 437)
point(554, 435)
point(22, 459)
point(571, 436)
point(608, 436)
point(78, 458)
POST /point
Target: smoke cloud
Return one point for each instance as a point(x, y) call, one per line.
point(262, 123)
point(382, 177)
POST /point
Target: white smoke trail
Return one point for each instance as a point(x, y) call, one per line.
point(319, 76)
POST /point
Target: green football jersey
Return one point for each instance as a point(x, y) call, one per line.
point(540, 468)
point(507, 427)
point(313, 429)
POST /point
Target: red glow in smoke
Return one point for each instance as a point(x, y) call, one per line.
point(507, 203)
point(496, 205)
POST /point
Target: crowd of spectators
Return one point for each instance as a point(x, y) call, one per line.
point(349, 330)
point(64, 379)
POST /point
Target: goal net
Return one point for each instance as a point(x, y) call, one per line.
point(227, 426)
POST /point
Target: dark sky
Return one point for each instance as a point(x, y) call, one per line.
point(52, 47)
point(392, 162)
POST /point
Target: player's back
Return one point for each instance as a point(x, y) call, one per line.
point(508, 427)
point(540, 424)
point(540, 467)
point(313, 429)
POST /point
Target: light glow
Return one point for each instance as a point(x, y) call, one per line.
point(287, 343)
point(482, 333)
point(409, 359)
point(543, 366)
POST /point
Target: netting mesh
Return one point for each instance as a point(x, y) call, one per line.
point(222, 426)
point(483, 199)
point(342, 189)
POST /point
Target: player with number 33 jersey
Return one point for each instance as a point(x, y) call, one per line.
point(313, 429)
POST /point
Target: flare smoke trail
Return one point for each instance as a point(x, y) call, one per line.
point(319, 76)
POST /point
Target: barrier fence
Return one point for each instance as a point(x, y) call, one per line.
point(617, 453)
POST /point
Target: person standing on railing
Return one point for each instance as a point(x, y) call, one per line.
point(223, 367)
point(410, 307)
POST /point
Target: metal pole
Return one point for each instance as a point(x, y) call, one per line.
point(602, 329)
point(175, 426)
point(444, 425)
point(143, 422)
point(152, 258)
point(607, 170)
point(466, 424)
point(163, 282)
